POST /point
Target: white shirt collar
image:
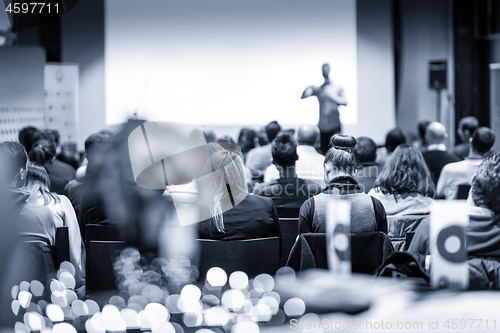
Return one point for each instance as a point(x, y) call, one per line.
point(436, 146)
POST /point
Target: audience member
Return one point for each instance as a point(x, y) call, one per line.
point(405, 185)
point(247, 140)
point(466, 128)
point(37, 184)
point(27, 137)
point(44, 153)
point(225, 138)
point(393, 139)
point(436, 155)
point(85, 198)
point(483, 231)
point(309, 166)
point(35, 224)
point(288, 192)
point(258, 159)
point(367, 213)
point(422, 128)
point(253, 217)
point(458, 173)
point(368, 170)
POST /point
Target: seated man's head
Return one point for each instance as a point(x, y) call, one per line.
point(482, 140)
point(93, 145)
point(27, 137)
point(436, 133)
point(284, 150)
point(365, 150)
point(393, 139)
point(422, 128)
point(340, 159)
point(272, 129)
point(466, 128)
point(308, 135)
point(486, 184)
point(13, 161)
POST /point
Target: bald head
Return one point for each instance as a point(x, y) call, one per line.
point(308, 135)
point(436, 133)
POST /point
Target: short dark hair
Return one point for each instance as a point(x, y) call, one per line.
point(394, 138)
point(27, 137)
point(406, 172)
point(469, 123)
point(12, 158)
point(340, 155)
point(422, 129)
point(486, 183)
point(272, 129)
point(483, 139)
point(284, 149)
point(365, 150)
point(94, 141)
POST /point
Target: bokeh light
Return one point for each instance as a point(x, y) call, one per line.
point(216, 316)
point(233, 299)
point(285, 276)
point(192, 319)
point(164, 327)
point(21, 328)
point(24, 298)
point(245, 327)
point(63, 328)
point(190, 293)
point(24, 286)
point(36, 288)
point(263, 283)
point(67, 266)
point(66, 279)
point(34, 321)
point(54, 312)
point(93, 307)
point(130, 317)
point(79, 308)
point(238, 280)
point(294, 307)
point(15, 305)
point(216, 277)
point(14, 291)
point(171, 304)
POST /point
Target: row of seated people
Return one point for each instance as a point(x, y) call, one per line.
point(404, 187)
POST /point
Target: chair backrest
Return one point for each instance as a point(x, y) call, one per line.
point(62, 246)
point(101, 232)
point(399, 226)
point(100, 257)
point(368, 251)
point(252, 256)
point(463, 191)
point(289, 228)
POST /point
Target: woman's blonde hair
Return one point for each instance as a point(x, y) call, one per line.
point(38, 182)
point(228, 175)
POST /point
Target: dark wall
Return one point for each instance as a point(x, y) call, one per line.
point(472, 53)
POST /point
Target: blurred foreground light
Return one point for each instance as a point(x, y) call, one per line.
point(158, 311)
point(63, 328)
point(93, 307)
point(15, 306)
point(294, 307)
point(113, 321)
point(216, 316)
point(131, 254)
point(189, 307)
point(271, 302)
point(238, 280)
point(261, 312)
point(36, 288)
point(67, 266)
point(54, 312)
point(204, 330)
point(192, 319)
point(59, 298)
point(79, 308)
point(24, 286)
point(190, 293)
point(245, 327)
point(21, 328)
point(233, 299)
point(152, 293)
point(275, 295)
point(118, 302)
point(95, 324)
point(67, 279)
point(14, 291)
point(210, 300)
point(285, 276)
point(34, 321)
point(55, 285)
point(216, 277)
point(131, 318)
point(164, 327)
point(171, 304)
point(24, 298)
point(263, 283)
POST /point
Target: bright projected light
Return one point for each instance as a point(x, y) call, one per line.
point(226, 62)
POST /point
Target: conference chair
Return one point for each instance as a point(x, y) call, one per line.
point(100, 258)
point(289, 228)
point(252, 256)
point(368, 251)
point(399, 226)
point(463, 191)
